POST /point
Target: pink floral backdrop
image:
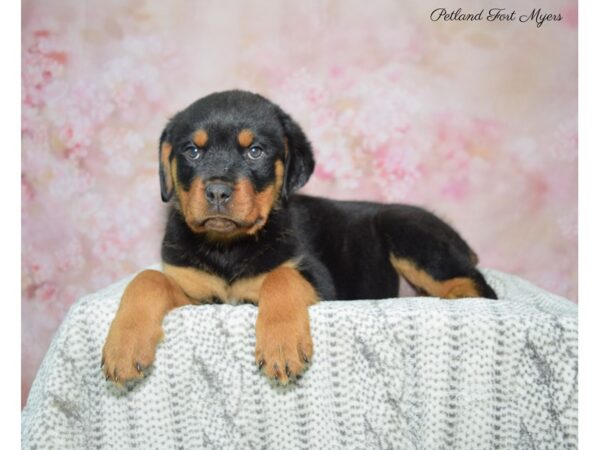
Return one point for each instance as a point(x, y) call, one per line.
point(477, 121)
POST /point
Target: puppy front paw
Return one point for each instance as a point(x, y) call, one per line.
point(283, 349)
point(129, 349)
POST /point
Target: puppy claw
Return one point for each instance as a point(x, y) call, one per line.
point(283, 349)
point(261, 363)
point(128, 352)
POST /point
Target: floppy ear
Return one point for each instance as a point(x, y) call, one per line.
point(165, 151)
point(299, 161)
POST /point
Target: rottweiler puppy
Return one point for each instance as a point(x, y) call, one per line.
point(236, 231)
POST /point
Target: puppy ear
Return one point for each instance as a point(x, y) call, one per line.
point(165, 151)
point(299, 161)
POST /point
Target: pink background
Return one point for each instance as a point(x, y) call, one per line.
point(476, 121)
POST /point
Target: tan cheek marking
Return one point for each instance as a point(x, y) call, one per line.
point(182, 196)
point(242, 207)
point(242, 203)
point(200, 286)
point(263, 205)
point(196, 203)
point(200, 138)
point(165, 154)
point(191, 203)
point(255, 207)
point(266, 199)
point(245, 137)
point(262, 202)
point(454, 288)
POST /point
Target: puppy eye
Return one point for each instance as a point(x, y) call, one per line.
point(192, 152)
point(255, 152)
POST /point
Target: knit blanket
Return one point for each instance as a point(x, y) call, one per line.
point(403, 373)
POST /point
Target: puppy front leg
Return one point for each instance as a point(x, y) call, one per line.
point(137, 328)
point(283, 342)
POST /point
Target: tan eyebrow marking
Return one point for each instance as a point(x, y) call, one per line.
point(200, 137)
point(245, 137)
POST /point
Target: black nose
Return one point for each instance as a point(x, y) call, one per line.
point(218, 193)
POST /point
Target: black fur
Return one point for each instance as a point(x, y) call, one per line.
point(343, 248)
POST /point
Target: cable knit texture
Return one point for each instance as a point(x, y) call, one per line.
point(408, 373)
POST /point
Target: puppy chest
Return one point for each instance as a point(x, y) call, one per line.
point(203, 287)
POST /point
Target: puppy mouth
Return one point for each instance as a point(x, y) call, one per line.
point(222, 224)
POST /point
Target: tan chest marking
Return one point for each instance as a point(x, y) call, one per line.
point(201, 287)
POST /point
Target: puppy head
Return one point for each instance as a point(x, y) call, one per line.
point(229, 159)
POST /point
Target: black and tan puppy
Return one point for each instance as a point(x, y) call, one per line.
point(230, 164)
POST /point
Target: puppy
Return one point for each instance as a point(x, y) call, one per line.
point(230, 164)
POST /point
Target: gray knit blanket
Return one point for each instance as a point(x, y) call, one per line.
point(404, 373)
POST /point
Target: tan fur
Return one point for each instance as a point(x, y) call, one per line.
point(192, 203)
point(247, 288)
point(200, 137)
point(460, 287)
point(264, 201)
point(165, 163)
point(245, 137)
point(174, 176)
point(137, 327)
point(246, 205)
point(201, 286)
point(283, 341)
point(136, 330)
point(279, 172)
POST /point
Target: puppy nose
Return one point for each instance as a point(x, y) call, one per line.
point(218, 193)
